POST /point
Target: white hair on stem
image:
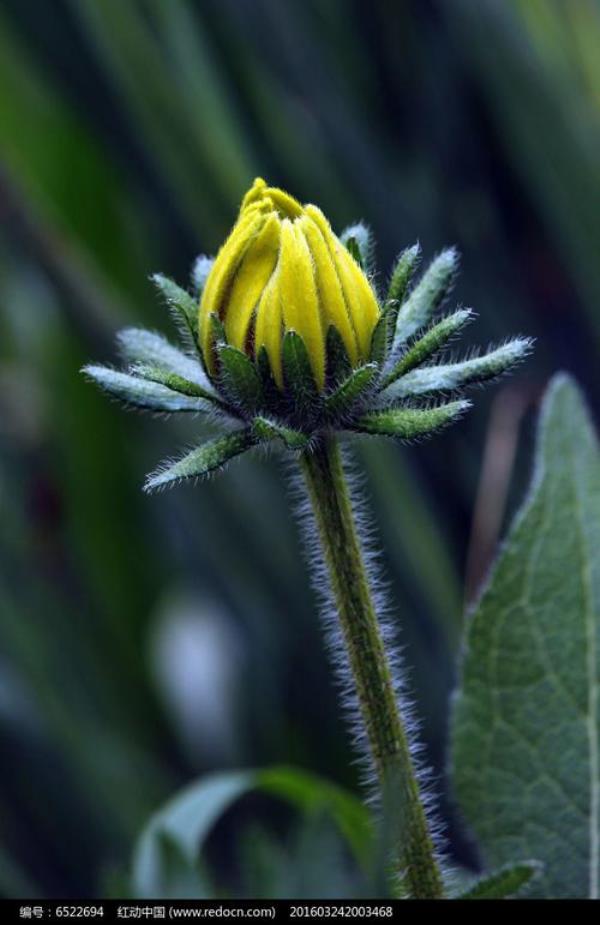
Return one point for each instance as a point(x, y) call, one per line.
point(371, 555)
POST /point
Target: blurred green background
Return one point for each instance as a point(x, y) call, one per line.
point(145, 641)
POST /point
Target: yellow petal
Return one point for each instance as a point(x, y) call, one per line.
point(287, 205)
point(251, 278)
point(364, 308)
point(358, 293)
point(268, 332)
point(259, 192)
point(254, 194)
point(331, 298)
point(299, 297)
point(220, 277)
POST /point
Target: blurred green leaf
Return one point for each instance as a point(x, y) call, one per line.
point(502, 884)
point(187, 820)
point(526, 722)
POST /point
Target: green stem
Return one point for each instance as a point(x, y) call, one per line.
point(370, 667)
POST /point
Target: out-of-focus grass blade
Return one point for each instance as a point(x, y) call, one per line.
point(531, 92)
point(188, 818)
point(70, 192)
point(412, 538)
point(175, 135)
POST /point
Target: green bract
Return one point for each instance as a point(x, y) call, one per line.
point(401, 390)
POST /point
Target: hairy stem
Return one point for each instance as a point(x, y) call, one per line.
point(386, 733)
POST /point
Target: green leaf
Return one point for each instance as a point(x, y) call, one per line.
point(410, 423)
point(425, 347)
point(404, 268)
point(266, 429)
point(201, 461)
point(137, 345)
point(342, 400)
point(445, 377)
point(298, 374)
point(183, 306)
point(504, 883)
point(188, 818)
point(183, 823)
point(142, 393)
point(310, 793)
point(426, 297)
point(358, 239)
point(239, 377)
point(526, 720)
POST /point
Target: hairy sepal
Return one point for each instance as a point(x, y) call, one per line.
point(143, 393)
point(338, 362)
point(173, 381)
point(429, 344)
point(200, 270)
point(182, 306)
point(201, 461)
point(380, 341)
point(450, 376)
point(342, 401)
point(403, 271)
point(266, 429)
point(298, 376)
point(239, 378)
point(405, 423)
point(426, 297)
point(359, 241)
point(137, 345)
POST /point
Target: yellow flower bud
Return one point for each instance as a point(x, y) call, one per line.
point(283, 269)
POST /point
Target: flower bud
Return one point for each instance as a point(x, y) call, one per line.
point(283, 269)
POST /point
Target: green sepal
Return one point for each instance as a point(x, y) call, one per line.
point(409, 423)
point(358, 239)
point(217, 336)
point(503, 883)
point(272, 394)
point(172, 381)
point(183, 306)
point(200, 270)
point(266, 429)
point(137, 345)
point(179, 384)
point(239, 377)
point(426, 297)
point(448, 376)
point(353, 249)
point(402, 273)
point(201, 461)
point(298, 375)
point(341, 401)
point(380, 340)
point(428, 345)
point(217, 330)
point(263, 366)
point(338, 363)
point(143, 393)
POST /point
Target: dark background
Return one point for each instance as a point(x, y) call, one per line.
point(145, 641)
